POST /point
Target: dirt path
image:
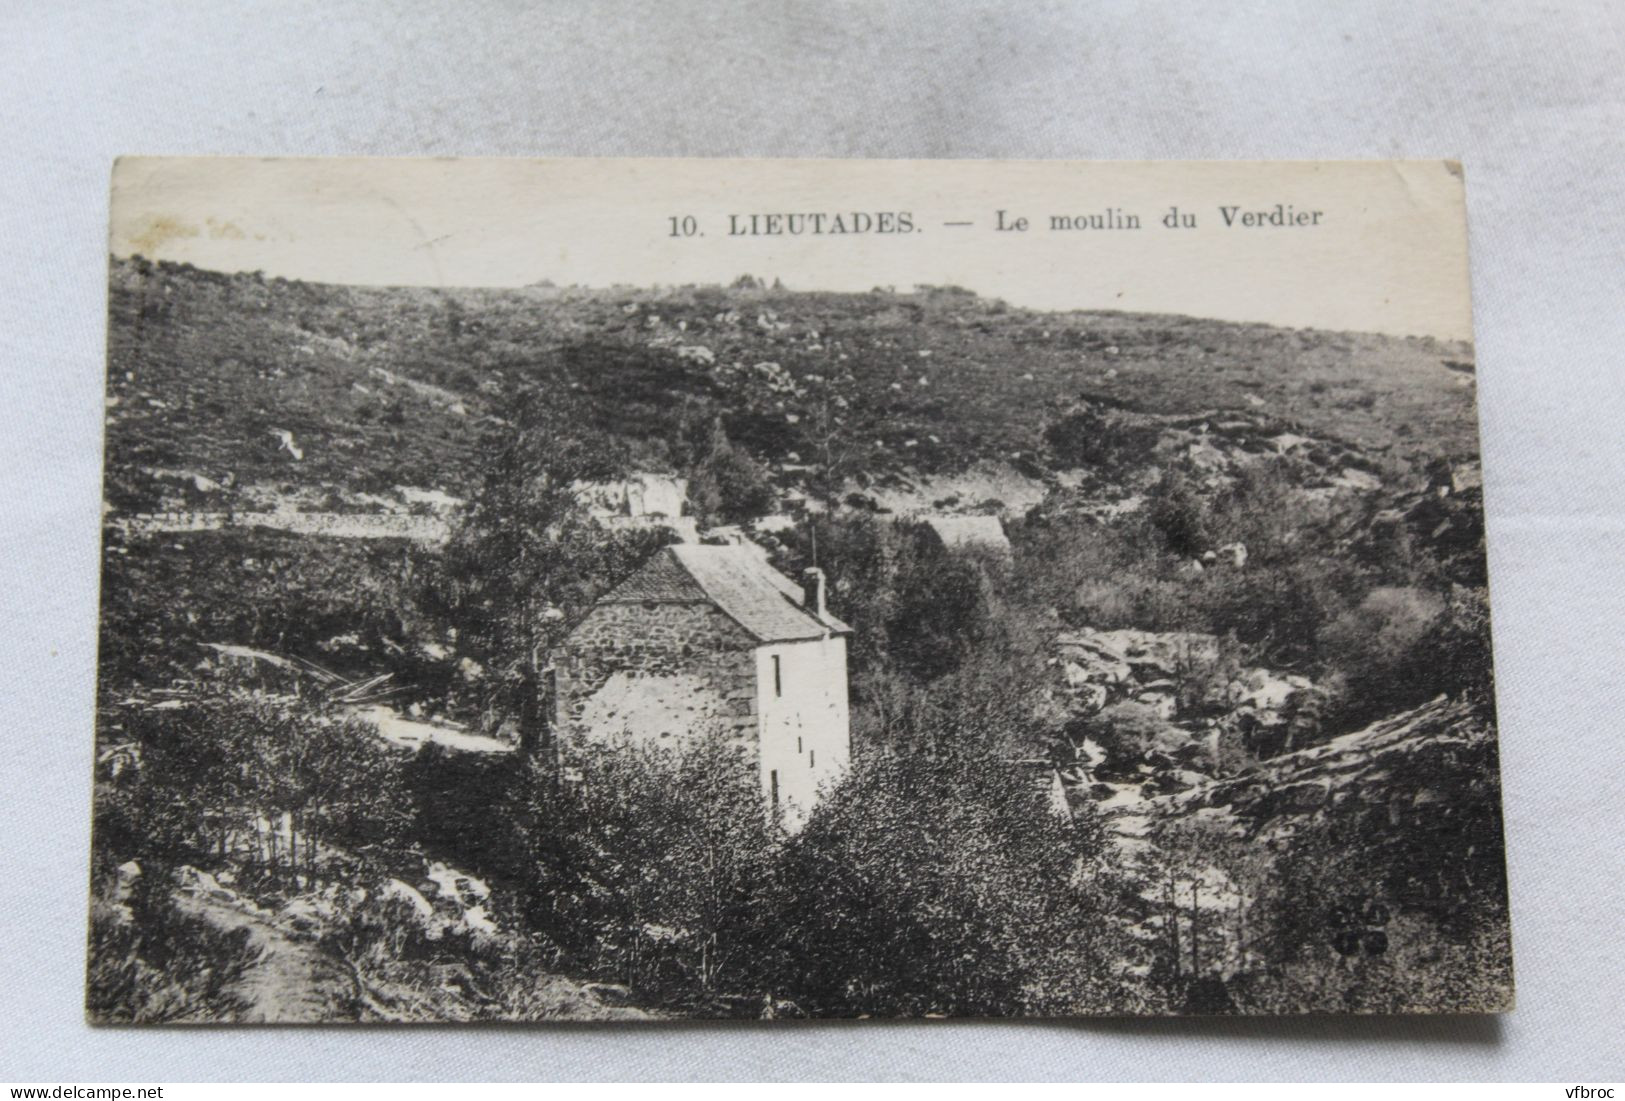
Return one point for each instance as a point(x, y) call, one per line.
point(293, 982)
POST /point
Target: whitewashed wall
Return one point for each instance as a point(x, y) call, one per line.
point(804, 729)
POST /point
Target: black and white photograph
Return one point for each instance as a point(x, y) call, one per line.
point(635, 590)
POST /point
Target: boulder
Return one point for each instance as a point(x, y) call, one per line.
point(1129, 656)
point(1171, 742)
point(1408, 769)
point(1160, 699)
point(1266, 692)
point(129, 873)
point(1170, 781)
point(198, 882)
point(304, 914)
point(411, 902)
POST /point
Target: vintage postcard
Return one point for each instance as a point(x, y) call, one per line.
point(637, 589)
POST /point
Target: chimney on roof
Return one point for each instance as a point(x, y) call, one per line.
point(812, 592)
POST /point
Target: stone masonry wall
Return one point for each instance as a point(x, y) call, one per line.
point(657, 640)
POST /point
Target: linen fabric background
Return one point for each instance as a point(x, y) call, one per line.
point(1530, 98)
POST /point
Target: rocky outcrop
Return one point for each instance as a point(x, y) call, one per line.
point(1447, 519)
point(1398, 772)
point(1215, 446)
point(1184, 676)
point(1106, 667)
point(1409, 803)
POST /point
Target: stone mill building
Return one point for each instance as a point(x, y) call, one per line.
point(713, 638)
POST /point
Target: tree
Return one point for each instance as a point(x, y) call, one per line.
point(1210, 876)
point(933, 886)
point(1086, 438)
point(948, 647)
point(650, 870)
point(836, 451)
point(861, 556)
point(1176, 511)
point(528, 560)
point(727, 484)
point(943, 612)
point(264, 781)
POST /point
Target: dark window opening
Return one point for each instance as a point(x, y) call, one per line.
point(812, 758)
point(773, 781)
point(778, 679)
point(550, 696)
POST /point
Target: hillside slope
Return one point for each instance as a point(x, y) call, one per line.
point(236, 390)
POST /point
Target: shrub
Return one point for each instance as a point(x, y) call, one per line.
point(1177, 512)
point(1382, 650)
point(727, 484)
point(159, 965)
point(932, 886)
point(649, 871)
point(1373, 911)
point(213, 773)
point(1125, 732)
point(1086, 438)
point(278, 591)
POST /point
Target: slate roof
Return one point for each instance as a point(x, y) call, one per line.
point(755, 595)
point(957, 532)
point(661, 579)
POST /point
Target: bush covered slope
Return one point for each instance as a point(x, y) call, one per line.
point(381, 387)
point(1234, 600)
